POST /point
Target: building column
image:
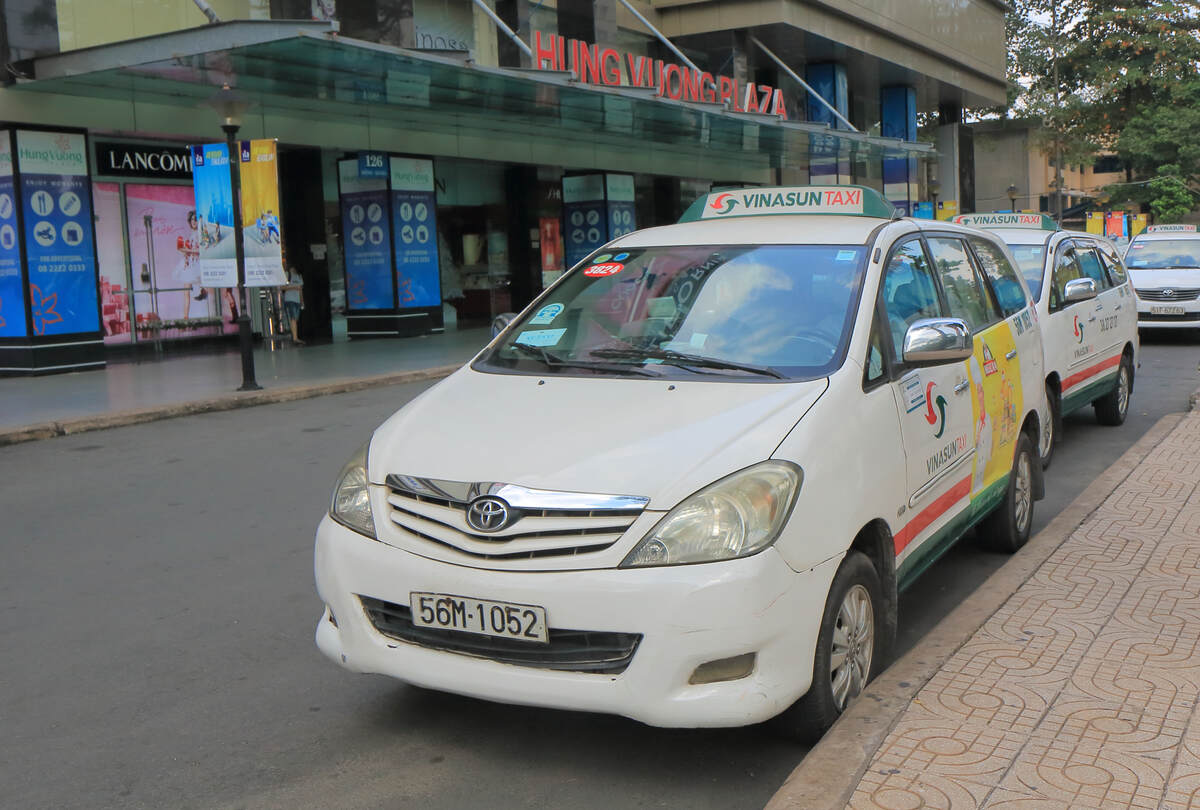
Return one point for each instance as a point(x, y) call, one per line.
point(828, 79)
point(898, 119)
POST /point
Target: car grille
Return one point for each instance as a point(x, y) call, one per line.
point(1177, 294)
point(1184, 318)
point(545, 524)
point(568, 650)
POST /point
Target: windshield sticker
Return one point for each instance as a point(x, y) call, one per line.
point(601, 259)
point(845, 256)
point(599, 270)
point(664, 307)
point(914, 392)
point(546, 315)
point(698, 339)
point(1136, 247)
point(1035, 252)
point(620, 257)
point(541, 337)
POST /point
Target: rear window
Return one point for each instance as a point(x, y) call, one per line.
point(1031, 260)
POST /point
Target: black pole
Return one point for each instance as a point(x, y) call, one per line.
point(243, 321)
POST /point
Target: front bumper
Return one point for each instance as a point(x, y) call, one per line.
point(1189, 319)
point(686, 615)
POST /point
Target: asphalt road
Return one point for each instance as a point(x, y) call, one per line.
point(158, 612)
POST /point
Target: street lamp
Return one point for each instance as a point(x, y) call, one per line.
point(1012, 196)
point(230, 106)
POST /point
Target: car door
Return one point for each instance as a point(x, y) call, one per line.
point(1124, 301)
point(996, 399)
point(1106, 315)
point(933, 403)
point(1071, 332)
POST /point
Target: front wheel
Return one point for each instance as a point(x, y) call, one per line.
point(1007, 528)
point(849, 650)
point(1052, 426)
point(1112, 408)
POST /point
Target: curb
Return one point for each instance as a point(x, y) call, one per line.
point(827, 776)
point(229, 402)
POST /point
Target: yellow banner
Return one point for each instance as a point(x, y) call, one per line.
point(260, 213)
point(1138, 225)
point(947, 209)
point(1095, 222)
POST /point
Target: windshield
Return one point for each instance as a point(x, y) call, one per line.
point(1030, 260)
point(747, 312)
point(1163, 254)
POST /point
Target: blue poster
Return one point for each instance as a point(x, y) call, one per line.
point(621, 198)
point(12, 299)
point(56, 199)
point(213, 187)
point(365, 234)
point(414, 233)
point(585, 220)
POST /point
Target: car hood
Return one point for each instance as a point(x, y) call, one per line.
point(1157, 279)
point(630, 436)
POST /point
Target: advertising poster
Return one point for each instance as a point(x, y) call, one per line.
point(1095, 222)
point(170, 297)
point(263, 241)
point(583, 215)
point(12, 300)
point(110, 250)
point(261, 230)
point(56, 198)
point(414, 233)
point(621, 217)
point(366, 239)
point(1114, 224)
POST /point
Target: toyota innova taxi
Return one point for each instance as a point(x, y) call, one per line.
point(1164, 264)
point(686, 484)
point(1088, 311)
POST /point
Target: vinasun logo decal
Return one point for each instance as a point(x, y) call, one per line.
point(938, 418)
point(724, 203)
point(1078, 330)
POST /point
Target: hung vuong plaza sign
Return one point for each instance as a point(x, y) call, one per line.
point(606, 66)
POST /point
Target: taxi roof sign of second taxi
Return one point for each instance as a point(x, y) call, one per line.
point(1007, 220)
point(754, 202)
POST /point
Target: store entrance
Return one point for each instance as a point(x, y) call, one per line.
point(303, 208)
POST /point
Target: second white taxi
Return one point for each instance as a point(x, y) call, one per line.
point(1164, 264)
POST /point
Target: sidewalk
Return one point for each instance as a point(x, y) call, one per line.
point(128, 392)
point(1069, 680)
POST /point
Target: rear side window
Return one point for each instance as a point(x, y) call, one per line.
point(1000, 272)
point(1089, 263)
point(1065, 269)
point(965, 293)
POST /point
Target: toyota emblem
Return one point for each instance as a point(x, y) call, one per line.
point(487, 514)
point(1168, 293)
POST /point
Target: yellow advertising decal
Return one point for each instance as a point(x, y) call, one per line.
point(995, 404)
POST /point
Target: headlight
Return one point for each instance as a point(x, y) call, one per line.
point(737, 516)
point(351, 505)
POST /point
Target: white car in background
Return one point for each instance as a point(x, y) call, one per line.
point(1164, 263)
point(1088, 312)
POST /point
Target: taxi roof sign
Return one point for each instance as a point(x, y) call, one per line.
point(755, 202)
point(1007, 220)
point(1171, 229)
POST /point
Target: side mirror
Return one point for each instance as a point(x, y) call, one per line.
point(1080, 289)
point(931, 341)
point(501, 322)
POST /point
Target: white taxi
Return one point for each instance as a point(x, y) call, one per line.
point(1088, 312)
point(1164, 263)
point(688, 482)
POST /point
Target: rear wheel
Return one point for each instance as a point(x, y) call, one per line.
point(1007, 528)
point(849, 650)
point(1053, 425)
point(1112, 408)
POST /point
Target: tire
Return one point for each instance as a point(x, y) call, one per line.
point(855, 600)
point(1050, 431)
point(1113, 407)
point(1007, 527)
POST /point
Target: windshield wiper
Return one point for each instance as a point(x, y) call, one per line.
point(552, 360)
point(683, 360)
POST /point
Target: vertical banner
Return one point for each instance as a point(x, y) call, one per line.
point(56, 197)
point(263, 242)
point(1095, 222)
point(1138, 225)
point(1114, 224)
point(12, 298)
point(217, 255)
point(366, 240)
point(583, 215)
point(621, 218)
point(414, 232)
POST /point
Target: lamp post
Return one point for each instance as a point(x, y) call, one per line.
point(934, 189)
point(1012, 196)
point(230, 106)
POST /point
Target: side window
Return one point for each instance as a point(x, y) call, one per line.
point(1002, 275)
point(1065, 269)
point(873, 374)
point(1089, 263)
point(1112, 263)
point(965, 294)
point(909, 292)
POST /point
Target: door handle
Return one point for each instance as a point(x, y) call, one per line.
point(1091, 319)
point(1099, 307)
point(1011, 355)
point(1118, 306)
point(962, 386)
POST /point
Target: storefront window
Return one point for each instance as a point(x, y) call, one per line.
point(115, 295)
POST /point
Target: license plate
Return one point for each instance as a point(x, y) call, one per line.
point(483, 616)
point(1166, 310)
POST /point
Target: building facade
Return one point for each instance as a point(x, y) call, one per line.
point(524, 133)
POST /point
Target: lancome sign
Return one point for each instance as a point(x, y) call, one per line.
point(143, 160)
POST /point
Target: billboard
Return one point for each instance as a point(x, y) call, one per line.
point(367, 239)
point(12, 298)
point(414, 232)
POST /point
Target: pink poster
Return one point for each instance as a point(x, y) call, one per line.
point(163, 252)
point(110, 247)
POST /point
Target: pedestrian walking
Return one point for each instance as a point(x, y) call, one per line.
point(293, 302)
